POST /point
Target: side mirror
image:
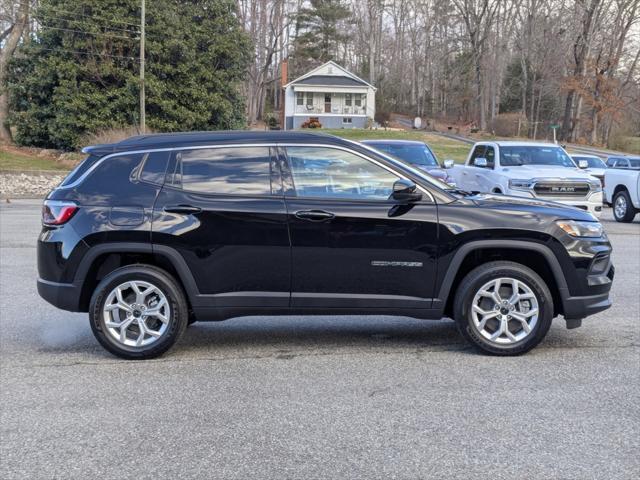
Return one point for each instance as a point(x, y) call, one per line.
point(480, 162)
point(448, 163)
point(405, 191)
point(583, 164)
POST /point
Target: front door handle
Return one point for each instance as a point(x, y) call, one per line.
point(314, 215)
point(185, 209)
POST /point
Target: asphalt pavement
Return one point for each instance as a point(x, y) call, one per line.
point(314, 397)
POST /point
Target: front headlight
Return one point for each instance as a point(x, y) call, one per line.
point(520, 184)
point(596, 185)
point(581, 229)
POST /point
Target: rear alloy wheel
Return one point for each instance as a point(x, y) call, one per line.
point(623, 209)
point(138, 312)
point(503, 308)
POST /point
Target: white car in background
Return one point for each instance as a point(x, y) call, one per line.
point(528, 169)
point(622, 188)
point(592, 164)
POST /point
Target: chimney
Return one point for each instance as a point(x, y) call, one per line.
point(284, 73)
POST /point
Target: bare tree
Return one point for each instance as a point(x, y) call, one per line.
point(15, 18)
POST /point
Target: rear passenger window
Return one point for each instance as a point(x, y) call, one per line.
point(155, 166)
point(622, 163)
point(234, 170)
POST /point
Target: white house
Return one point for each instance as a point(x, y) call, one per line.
point(333, 95)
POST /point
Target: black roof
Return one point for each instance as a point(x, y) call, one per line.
point(188, 139)
point(332, 80)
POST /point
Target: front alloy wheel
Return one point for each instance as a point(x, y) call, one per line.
point(504, 311)
point(623, 209)
point(503, 308)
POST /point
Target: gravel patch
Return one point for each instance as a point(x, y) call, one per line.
point(29, 185)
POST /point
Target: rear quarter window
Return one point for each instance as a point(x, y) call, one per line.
point(80, 170)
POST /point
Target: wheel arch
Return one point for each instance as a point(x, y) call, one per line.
point(102, 259)
point(536, 256)
point(619, 188)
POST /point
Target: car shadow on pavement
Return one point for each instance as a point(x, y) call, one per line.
point(319, 332)
point(287, 337)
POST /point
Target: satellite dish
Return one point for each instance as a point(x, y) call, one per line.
point(417, 122)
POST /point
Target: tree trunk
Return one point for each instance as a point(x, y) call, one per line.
point(8, 49)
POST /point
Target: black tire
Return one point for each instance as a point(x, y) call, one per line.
point(177, 319)
point(629, 211)
point(480, 276)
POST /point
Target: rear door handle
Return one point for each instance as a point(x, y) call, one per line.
point(185, 209)
point(314, 215)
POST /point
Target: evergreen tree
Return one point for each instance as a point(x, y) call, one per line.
point(80, 72)
point(321, 28)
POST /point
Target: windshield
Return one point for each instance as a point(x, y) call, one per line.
point(513, 156)
point(591, 161)
point(418, 155)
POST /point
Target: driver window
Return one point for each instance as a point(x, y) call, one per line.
point(332, 173)
point(490, 155)
point(478, 152)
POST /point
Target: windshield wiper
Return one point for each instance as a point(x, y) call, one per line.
point(464, 193)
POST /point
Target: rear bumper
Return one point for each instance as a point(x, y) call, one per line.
point(65, 296)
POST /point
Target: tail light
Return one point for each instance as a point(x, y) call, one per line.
point(55, 212)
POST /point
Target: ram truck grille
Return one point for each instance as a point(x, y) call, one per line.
point(561, 189)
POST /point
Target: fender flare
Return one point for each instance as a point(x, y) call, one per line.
point(171, 254)
point(467, 248)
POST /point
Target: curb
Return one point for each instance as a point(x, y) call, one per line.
point(34, 172)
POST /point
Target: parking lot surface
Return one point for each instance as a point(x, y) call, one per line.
point(314, 397)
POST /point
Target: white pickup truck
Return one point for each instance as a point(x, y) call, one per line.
point(622, 188)
point(528, 169)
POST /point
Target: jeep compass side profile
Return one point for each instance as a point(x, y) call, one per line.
point(152, 233)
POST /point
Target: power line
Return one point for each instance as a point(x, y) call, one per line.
point(87, 53)
point(84, 32)
point(97, 17)
point(39, 16)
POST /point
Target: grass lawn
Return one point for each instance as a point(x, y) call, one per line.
point(628, 144)
point(444, 148)
point(18, 161)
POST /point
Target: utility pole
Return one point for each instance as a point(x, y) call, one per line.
point(142, 99)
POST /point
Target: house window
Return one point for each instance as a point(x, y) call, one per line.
point(347, 120)
point(347, 99)
point(359, 99)
point(299, 98)
point(309, 98)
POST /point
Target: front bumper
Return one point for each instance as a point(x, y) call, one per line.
point(592, 203)
point(583, 306)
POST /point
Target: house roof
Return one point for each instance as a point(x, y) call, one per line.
point(345, 74)
point(332, 80)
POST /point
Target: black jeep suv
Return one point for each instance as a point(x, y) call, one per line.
point(157, 231)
